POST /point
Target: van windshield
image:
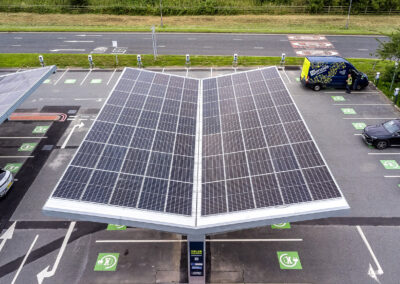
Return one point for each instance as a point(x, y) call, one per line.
point(2, 174)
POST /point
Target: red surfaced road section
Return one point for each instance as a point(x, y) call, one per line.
point(29, 116)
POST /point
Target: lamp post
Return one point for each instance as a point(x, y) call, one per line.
point(161, 13)
point(348, 15)
point(396, 64)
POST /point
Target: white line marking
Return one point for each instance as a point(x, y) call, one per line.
point(80, 125)
point(258, 47)
point(383, 153)
point(391, 176)
point(362, 49)
point(187, 72)
point(26, 137)
point(362, 104)
point(211, 240)
point(211, 70)
point(355, 92)
point(207, 46)
point(358, 134)
point(237, 39)
point(361, 118)
point(89, 99)
point(46, 273)
point(7, 157)
point(62, 75)
point(78, 40)
point(88, 35)
point(112, 75)
point(192, 38)
point(87, 75)
point(284, 72)
point(380, 271)
point(8, 234)
point(16, 45)
point(161, 46)
point(66, 49)
point(24, 260)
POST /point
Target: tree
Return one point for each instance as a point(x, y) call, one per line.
point(390, 49)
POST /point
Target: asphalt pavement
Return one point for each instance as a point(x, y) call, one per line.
point(190, 43)
point(361, 247)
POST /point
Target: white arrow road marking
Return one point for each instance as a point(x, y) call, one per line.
point(24, 260)
point(78, 40)
point(372, 274)
point(56, 50)
point(70, 134)
point(46, 273)
point(379, 271)
point(7, 235)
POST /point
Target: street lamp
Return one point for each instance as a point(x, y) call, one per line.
point(348, 15)
point(161, 12)
point(396, 64)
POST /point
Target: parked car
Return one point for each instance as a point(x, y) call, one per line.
point(330, 72)
point(6, 181)
point(383, 135)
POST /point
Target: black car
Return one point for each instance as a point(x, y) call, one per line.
point(383, 135)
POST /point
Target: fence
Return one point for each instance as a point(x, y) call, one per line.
point(194, 10)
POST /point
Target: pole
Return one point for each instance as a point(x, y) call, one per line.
point(153, 37)
point(396, 64)
point(161, 13)
point(348, 15)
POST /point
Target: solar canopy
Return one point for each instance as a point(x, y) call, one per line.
point(16, 87)
point(197, 156)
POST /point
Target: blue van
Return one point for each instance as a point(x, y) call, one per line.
point(330, 72)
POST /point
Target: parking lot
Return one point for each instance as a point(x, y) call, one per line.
point(355, 248)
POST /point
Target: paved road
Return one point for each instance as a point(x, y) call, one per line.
point(193, 43)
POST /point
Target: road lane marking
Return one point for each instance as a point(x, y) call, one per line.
point(361, 118)
point(209, 240)
point(62, 75)
point(24, 137)
point(355, 92)
point(284, 72)
point(7, 157)
point(362, 49)
point(380, 271)
point(258, 47)
point(350, 104)
point(80, 125)
point(112, 75)
point(237, 39)
point(391, 176)
point(87, 75)
point(67, 49)
point(78, 40)
point(24, 260)
point(383, 153)
point(16, 45)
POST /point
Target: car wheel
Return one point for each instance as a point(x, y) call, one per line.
point(380, 145)
point(358, 87)
point(317, 87)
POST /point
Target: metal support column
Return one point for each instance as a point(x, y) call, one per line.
point(196, 259)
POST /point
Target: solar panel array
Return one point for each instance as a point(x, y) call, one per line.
point(139, 152)
point(256, 149)
point(15, 87)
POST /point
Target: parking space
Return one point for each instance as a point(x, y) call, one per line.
point(320, 251)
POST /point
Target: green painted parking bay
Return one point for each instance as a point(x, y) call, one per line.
point(390, 164)
point(70, 81)
point(348, 110)
point(27, 147)
point(106, 262)
point(13, 167)
point(359, 125)
point(281, 226)
point(289, 260)
point(338, 98)
point(40, 129)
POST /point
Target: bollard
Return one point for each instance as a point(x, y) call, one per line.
point(235, 60)
point(378, 74)
point(396, 95)
point(41, 60)
point(139, 61)
point(283, 57)
point(90, 59)
point(187, 63)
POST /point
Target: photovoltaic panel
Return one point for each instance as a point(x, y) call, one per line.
point(139, 153)
point(16, 87)
point(257, 147)
point(191, 155)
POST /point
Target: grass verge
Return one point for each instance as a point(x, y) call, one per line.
point(308, 24)
point(368, 66)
